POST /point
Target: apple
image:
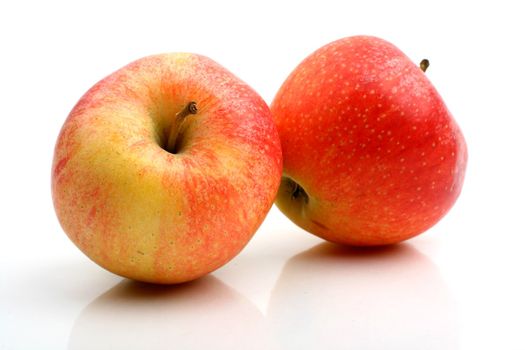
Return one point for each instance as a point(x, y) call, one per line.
point(371, 154)
point(164, 170)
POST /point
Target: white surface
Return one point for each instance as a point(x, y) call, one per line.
point(458, 286)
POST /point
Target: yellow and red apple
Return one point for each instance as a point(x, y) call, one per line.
point(371, 153)
point(164, 170)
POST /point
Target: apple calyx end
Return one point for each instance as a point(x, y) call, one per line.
point(293, 190)
point(298, 193)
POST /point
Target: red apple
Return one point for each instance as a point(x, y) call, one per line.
point(372, 155)
point(164, 170)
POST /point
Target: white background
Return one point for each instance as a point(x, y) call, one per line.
point(461, 285)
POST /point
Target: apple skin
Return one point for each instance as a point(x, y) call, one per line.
point(371, 154)
point(151, 215)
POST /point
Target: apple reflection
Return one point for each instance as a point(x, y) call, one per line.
point(333, 297)
point(204, 314)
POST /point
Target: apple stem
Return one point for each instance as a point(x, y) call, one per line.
point(424, 64)
point(190, 108)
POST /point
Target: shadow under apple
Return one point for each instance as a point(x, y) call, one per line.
point(203, 314)
point(334, 297)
